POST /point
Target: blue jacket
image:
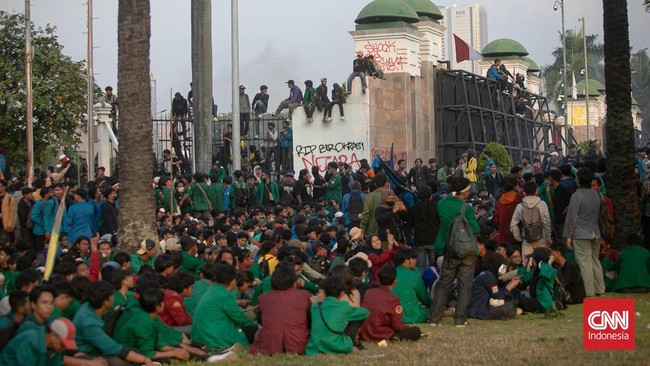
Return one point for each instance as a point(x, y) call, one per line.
point(484, 288)
point(493, 74)
point(287, 138)
point(79, 221)
point(345, 206)
point(49, 215)
point(94, 227)
point(37, 217)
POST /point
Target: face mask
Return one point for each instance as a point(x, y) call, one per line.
point(390, 204)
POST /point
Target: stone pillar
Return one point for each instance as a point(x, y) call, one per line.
point(533, 83)
point(431, 41)
point(395, 49)
point(105, 144)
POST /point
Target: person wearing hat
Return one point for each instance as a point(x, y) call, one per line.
point(553, 162)
point(80, 217)
point(358, 69)
point(594, 154)
point(145, 255)
point(191, 263)
point(547, 158)
point(261, 101)
point(452, 268)
point(244, 111)
point(294, 100)
point(319, 262)
point(43, 346)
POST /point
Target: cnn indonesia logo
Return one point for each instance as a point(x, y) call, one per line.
point(608, 324)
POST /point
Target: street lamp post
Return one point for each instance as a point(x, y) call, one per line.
point(564, 73)
point(584, 43)
point(236, 138)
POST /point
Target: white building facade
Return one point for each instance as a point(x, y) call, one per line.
point(469, 22)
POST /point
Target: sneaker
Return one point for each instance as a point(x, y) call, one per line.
point(329, 119)
point(342, 118)
point(230, 355)
point(463, 325)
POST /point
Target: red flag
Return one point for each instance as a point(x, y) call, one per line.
point(464, 51)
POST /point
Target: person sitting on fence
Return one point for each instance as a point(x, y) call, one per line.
point(358, 69)
point(309, 100)
point(261, 101)
point(322, 100)
point(371, 68)
point(294, 100)
point(338, 98)
point(179, 113)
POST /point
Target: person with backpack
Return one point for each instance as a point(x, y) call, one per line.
point(455, 241)
point(531, 223)
point(352, 205)
point(239, 195)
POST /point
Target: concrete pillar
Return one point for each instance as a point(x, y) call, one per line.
point(105, 144)
point(396, 50)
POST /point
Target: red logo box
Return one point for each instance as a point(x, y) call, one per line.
point(608, 324)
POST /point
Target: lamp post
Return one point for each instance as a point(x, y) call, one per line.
point(236, 138)
point(560, 3)
point(28, 102)
point(584, 44)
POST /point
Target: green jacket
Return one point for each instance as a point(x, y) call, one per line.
point(199, 201)
point(190, 263)
point(168, 200)
point(334, 189)
point(221, 173)
point(139, 332)
point(337, 314)
point(198, 290)
point(309, 96)
point(633, 267)
point(28, 323)
point(273, 189)
point(448, 209)
point(236, 185)
point(216, 196)
point(412, 293)
point(545, 283)
point(137, 262)
point(221, 319)
point(166, 335)
point(91, 337)
point(119, 300)
point(28, 349)
point(368, 222)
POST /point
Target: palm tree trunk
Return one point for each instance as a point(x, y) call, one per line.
point(619, 130)
point(201, 11)
point(137, 211)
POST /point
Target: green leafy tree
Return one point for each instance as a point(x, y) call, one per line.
point(58, 89)
point(500, 156)
point(646, 3)
point(575, 63)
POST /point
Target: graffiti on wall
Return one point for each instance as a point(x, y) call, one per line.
point(384, 154)
point(320, 155)
point(385, 55)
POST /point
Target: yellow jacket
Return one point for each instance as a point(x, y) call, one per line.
point(470, 170)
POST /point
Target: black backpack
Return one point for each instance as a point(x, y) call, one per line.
point(264, 267)
point(461, 242)
point(532, 226)
point(355, 206)
point(111, 318)
point(7, 334)
point(241, 195)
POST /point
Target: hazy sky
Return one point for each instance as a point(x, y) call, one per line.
point(290, 39)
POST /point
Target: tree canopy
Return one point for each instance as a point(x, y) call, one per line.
point(58, 89)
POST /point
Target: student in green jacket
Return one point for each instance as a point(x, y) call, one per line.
point(139, 332)
point(373, 200)
point(329, 320)
point(20, 308)
point(43, 346)
point(167, 196)
point(198, 194)
point(238, 184)
point(268, 192)
point(540, 276)
point(223, 323)
point(190, 247)
point(123, 282)
point(91, 337)
point(145, 255)
point(215, 194)
point(62, 299)
point(410, 288)
point(633, 266)
point(207, 278)
point(41, 300)
point(333, 187)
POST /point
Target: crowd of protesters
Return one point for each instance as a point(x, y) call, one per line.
point(307, 263)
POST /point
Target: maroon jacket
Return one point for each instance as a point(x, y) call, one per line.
point(505, 208)
point(175, 313)
point(385, 315)
point(283, 316)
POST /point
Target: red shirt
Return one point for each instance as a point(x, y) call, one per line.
point(385, 315)
point(283, 317)
point(175, 313)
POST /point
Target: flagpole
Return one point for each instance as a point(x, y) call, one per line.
point(53, 246)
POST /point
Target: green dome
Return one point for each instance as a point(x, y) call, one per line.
point(532, 65)
point(597, 84)
point(593, 87)
point(384, 11)
point(425, 8)
point(504, 47)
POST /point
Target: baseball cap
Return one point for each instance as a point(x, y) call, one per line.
point(106, 238)
point(242, 87)
point(363, 256)
point(355, 233)
point(146, 245)
point(554, 153)
point(66, 331)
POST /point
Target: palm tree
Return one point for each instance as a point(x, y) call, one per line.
point(619, 131)
point(137, 210)
point(647, 5)
point(575, 63)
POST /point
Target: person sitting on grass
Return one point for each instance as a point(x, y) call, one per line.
point(174, 313)
point(223, 324)
point(568, 273)
point(540, 277)
point(41, 300)
point(123, 281)
point(20, 308)
point(283, 314)
point(489, 301)
point(410, 288)
point(633, 266)
point(329, 320)
point(385, 319)
point(207, 278)
point(139, 332)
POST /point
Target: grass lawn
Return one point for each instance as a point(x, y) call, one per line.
point(529, 340)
